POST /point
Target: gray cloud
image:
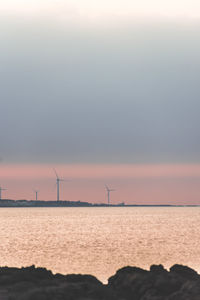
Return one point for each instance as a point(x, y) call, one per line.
point(128, 94)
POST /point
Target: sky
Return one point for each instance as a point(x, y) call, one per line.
point(99, 86)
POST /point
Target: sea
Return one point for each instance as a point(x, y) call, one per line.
point(99, 240)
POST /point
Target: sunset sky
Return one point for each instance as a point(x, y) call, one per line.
point(106, 92)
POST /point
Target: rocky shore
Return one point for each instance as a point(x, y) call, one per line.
point(129, 283)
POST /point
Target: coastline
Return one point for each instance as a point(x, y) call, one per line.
point(66, 203)
point(129, 283)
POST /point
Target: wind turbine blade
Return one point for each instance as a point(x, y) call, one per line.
point(55, 172)
point(106, 187)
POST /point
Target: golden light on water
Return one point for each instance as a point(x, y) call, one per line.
point(99, 241)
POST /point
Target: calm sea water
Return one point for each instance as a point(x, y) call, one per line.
point(99, 241)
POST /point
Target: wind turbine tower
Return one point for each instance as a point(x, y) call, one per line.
point(1, 189)
point(108, 193)
point(58, 180)
point(36, 195)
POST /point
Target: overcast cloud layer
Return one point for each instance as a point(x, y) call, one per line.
point(127, 92)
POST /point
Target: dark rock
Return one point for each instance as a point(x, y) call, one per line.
point(184, 272)
point(157, 284)
point(157, 269)
point(82, 278)
point(129, 283)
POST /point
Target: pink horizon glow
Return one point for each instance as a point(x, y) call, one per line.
point(139, 184)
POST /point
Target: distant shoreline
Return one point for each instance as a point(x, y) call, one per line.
point(40, 203)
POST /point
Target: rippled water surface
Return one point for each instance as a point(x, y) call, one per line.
point(99, 241)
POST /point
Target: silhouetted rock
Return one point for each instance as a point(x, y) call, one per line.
point(129, 283)
point(157, 269)
point(180, 283)
point(184, 271)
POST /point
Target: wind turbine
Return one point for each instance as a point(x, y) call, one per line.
point(108, 193)
point(58, 180)
point(36, 194)
point(1, 189)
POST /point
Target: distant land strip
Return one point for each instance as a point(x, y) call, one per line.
point(39, 203)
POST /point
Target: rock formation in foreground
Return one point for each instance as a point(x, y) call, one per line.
point(129, 283)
